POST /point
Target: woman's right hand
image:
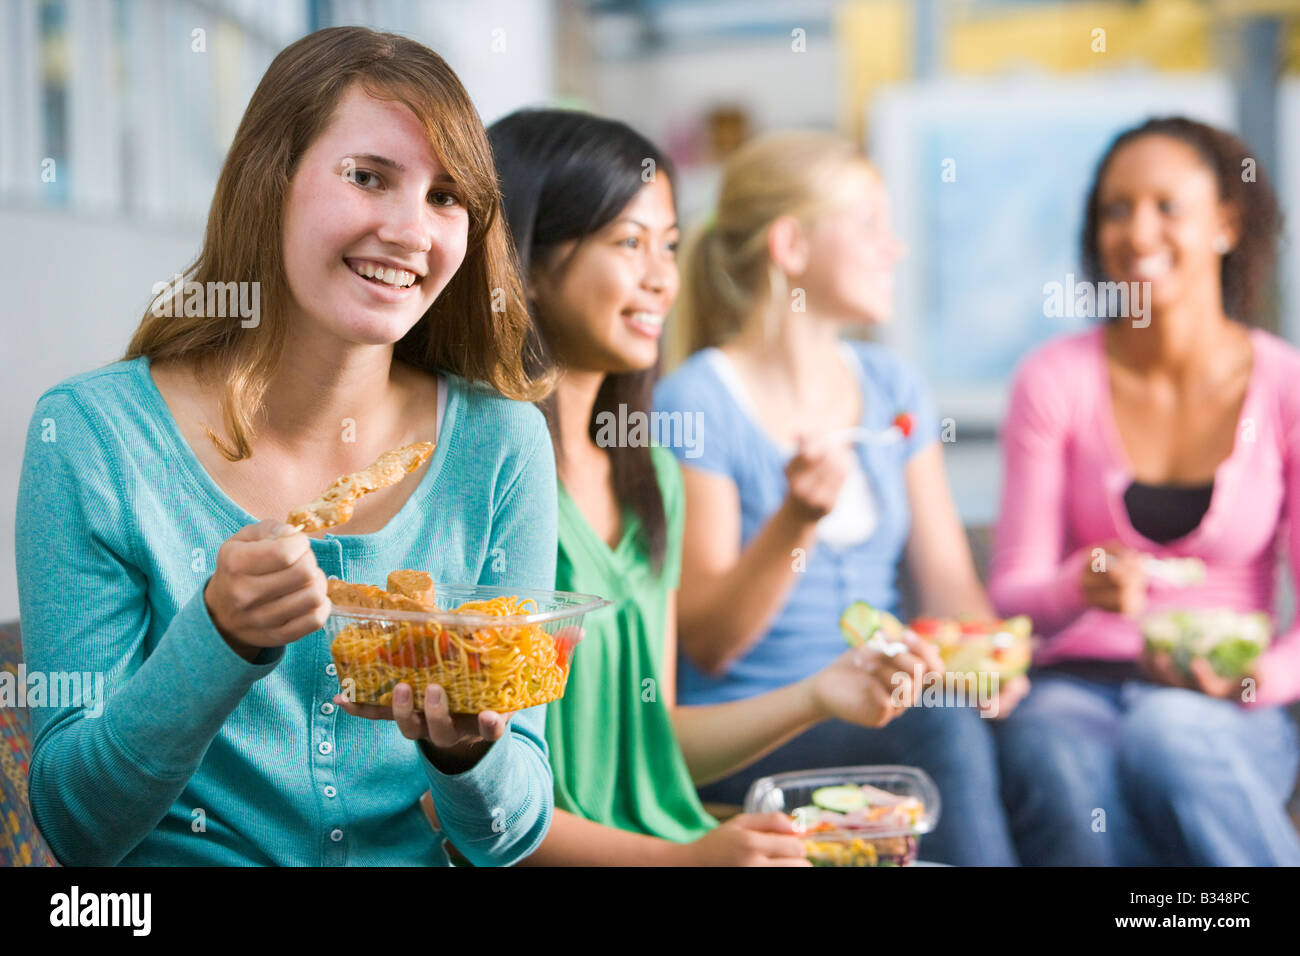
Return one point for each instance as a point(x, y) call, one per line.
point(267, 590)
point(814, 477)
point(1114, 579)
point(864, 687)
point(751, 839)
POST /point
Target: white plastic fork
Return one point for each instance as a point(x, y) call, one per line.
point(880, 643)
point(1176, 572)
point(867, 436)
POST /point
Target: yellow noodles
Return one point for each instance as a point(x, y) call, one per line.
point(502, 667)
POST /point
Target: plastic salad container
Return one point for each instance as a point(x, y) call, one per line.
point(1002, 647)
point(509, 649)
point(1229, 640)
point(853, 816)
point(972, 646)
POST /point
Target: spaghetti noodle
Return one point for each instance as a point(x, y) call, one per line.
point(502, 667)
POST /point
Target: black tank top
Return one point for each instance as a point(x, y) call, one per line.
point(1163, 513)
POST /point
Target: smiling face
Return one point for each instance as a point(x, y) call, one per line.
point(374, 228)
point(1158, 219)
point(603, 300)
point(852, 252)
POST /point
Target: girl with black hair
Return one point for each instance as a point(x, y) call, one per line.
point(590, 204)
point(1170, 434)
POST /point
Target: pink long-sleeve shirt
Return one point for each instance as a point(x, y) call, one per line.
point(1065, 473)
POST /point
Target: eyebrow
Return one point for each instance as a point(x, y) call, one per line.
point(641, 225)
point(393, 165)
point(380, 161)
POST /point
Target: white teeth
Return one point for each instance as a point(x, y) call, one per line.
point(398, 278)
point(647, 318)
point(1150, 267)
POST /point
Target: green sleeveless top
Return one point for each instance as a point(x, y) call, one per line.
point(612, 747)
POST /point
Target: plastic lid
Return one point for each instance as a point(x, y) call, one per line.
point(786, 792)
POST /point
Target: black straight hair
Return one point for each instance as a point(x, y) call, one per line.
point(565, 175)
point(1244, 270)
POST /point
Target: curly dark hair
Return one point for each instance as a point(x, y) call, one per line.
point(1246, 267)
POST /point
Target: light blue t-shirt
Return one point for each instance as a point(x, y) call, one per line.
point(805, 635)
point(196, 756)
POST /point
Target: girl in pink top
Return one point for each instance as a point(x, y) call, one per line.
point(1171, 432)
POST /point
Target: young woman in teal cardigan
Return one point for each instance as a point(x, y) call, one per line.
point(360, 194)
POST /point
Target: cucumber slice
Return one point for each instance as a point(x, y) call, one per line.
point(841, 799)
point(858, 622)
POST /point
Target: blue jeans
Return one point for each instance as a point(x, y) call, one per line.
point(954, 745)
point(1130, 773)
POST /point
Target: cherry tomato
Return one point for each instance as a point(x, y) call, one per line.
point(926, 626)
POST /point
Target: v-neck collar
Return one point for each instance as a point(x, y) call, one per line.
point(1120, 464)
point(235, 513)
point(617, 555)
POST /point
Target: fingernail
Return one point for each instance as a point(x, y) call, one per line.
point(490, 722)
point(283, 530)
point(402, 693)
point(434, 696)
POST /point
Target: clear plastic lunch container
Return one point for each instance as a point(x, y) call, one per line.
point(483, 661)
point(1230, 640)
point(880, 825)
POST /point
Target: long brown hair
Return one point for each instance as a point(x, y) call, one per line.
point(1245, 269)
point(294, 102)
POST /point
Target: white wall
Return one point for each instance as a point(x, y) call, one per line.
point(778, 88)
point(75, 290)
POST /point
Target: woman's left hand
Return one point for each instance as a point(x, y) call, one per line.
point(453, 742)
point(1159, 667)
point(1009, 695)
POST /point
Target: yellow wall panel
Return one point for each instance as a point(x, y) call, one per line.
point(874, 42)
point(1168, 34)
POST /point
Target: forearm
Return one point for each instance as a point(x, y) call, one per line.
point(100, 784)
point(948, 585)
point(723, 616)
point(1278, 672)
point(497, 811)
point(574, 841)
point(967, 597)
point(938, 552)
point(1034, 570)
point(719, 739)
point(1052, 595)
